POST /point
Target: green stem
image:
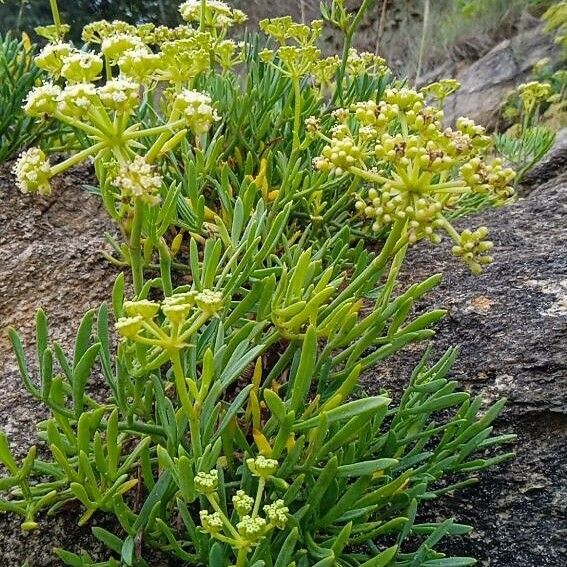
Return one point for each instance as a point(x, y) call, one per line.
point(203, 15)
point(135, 246)
point(349, 35)
point(77, 158)
point(216, 507)
point(259, 492)
point(297, 113)
point(369, 175)
point(241, 560)
point(56, 17)
point(186, 403)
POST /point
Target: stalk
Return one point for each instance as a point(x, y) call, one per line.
point(56, 16)
point(297, 114)
point(135, 247)
point(186, 403)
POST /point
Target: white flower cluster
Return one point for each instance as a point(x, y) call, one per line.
point(139, 179)
point(119, 94)
point(76, 100)
point(217, 13)
point(197, 110)
point(82, 66)
point(42, 100)
point(52, 56)
point(116, 44)
point(32, 171)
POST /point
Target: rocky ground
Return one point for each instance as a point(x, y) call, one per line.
point(50, 258)
point(511, 326)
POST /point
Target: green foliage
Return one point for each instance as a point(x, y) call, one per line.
point(224, 423)
point(18, 74)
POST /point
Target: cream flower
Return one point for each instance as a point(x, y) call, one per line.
point(32, 171)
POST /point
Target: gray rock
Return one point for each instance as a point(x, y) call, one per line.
point(511, 327)
point(49, 258)
point(486, 83)
point(553, 163)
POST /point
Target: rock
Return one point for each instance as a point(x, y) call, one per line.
point(554, 162)
point(486, 83)
point(511, 327)
point(50, 258)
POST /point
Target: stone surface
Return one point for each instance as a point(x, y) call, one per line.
point(511, 327)
point(550, 166)
point(50, 258)
point(485, 83)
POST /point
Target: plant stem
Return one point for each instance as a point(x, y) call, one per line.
point(56, 17)
point(260, 491)
point(423, 37)
point(297, 113)
point(135, 246)
point(241, 559)
point(349, 35)
point(203, 15)
point(186, 403)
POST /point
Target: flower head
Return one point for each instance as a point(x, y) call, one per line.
point(217, 13)
point(42, 100)
point(119, 94)
point(210, 302)
point(82, 66)
point(262, 467)
point(32, 171)
point(78, 99)
point(115, 45)
point(138, 179)
point(143, 307)
point(207, 483)
point(242, 503)
point(251, 529)
point(277, 513)
point(51, 57)
point(129, 327)
point(212, 523)
point(139, 64)
point(197, 110)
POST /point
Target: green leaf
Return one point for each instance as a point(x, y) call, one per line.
point(303, 378)
point(383, 558)
point(365, 406)
point(365, 467)
point(81, 373)
point(83, 338)
point(287, 549)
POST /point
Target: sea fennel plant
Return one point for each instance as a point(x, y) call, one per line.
point(231, 427)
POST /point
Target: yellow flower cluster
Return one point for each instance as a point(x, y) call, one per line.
point(250, 528)
point(132, 59)
point(185, 313)
point(416, 170)
point(32, 171)
point(139, 179)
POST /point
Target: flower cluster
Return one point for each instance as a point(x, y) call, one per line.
point(184, 314)
point(534, 92)
point(105, 111)
point(32, 171)
point(297, 53)
point(418, 171)
point(250, 528)
point(138, 179)
point(217, 14)
point(196, 110)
